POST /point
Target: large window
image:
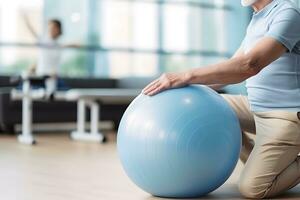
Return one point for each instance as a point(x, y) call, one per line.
point(157, 36)
point(135, 37)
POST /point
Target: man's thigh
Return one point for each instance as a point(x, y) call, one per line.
point(277, 146)
point(241, 107)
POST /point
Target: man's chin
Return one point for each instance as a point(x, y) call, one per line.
point(246, 3)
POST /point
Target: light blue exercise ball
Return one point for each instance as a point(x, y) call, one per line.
point(181, 143)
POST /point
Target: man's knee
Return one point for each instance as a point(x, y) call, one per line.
point(250, 188)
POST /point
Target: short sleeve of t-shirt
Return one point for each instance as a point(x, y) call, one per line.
point(285, 28)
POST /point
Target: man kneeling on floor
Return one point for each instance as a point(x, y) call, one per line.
point(269, 61)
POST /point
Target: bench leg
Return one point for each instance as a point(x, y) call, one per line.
point(94, 118)
point(26, 136)
point(81, 134)
point(81, 116)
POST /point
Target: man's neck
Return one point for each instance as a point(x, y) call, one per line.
point(260, 5)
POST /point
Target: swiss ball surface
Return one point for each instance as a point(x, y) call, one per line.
point(181, 143)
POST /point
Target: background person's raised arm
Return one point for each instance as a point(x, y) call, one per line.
point(30, 26)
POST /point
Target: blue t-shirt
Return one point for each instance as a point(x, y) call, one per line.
point(277, 86)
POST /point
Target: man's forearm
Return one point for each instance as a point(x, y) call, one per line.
point(231, 71)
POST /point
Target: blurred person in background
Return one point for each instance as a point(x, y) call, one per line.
point(50, 55)
point(49, 58)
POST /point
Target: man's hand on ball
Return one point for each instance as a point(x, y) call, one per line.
point(167, 81)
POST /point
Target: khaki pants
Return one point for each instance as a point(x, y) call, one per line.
point(272, 164)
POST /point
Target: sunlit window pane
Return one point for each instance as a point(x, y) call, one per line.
point(73, 63)
point(145, 26)
point(209, 30)
point(128, 64)
point(128, 24)
point(13, 30)
point(117, 23)
point(74, 16)
point(14, 59)
point(175, 27)
point(181, 62)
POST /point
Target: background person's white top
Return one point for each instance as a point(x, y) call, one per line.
point(49, 58)
point(276, 87)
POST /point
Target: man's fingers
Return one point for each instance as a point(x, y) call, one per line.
point(154, 87)
point(151, 88)
point(156, 90)
point(150, 85)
